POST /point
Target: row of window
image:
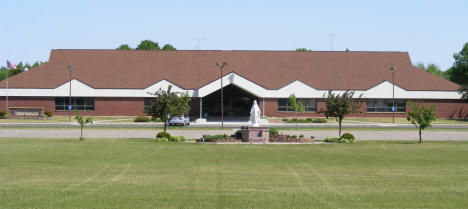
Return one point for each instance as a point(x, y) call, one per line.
point(373, 105)
point(77, 103)
point(310, 104)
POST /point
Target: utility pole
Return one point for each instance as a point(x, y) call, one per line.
point(393, 69)
point(69, 96)
point(221, 66)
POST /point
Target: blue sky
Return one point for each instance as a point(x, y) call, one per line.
point(431, 31)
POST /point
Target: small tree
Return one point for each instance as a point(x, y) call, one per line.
point(296, 105)
point(421, 116)
point(340, 105)
point(168, 103)
point(82, 123)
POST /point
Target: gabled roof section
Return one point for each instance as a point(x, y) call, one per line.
point(134, 69)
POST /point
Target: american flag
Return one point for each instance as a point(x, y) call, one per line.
point(11, 65)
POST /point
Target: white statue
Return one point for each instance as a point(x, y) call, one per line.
point(255, 114)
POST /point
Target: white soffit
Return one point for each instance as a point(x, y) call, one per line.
point(300, 89)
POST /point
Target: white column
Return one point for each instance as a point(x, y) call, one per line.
point(201, 107)
point(263, 107)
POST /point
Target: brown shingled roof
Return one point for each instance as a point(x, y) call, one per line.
point(192, 69)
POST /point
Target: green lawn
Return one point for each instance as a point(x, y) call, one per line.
point(64, 119)
point(46, 173)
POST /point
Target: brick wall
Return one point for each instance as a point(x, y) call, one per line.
point(123, 106)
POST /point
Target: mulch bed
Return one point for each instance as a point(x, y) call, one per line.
point(278, 139)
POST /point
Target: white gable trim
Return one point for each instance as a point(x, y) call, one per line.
point(300, 89)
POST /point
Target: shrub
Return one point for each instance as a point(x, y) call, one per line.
point(319, 120)
point(142, 119)
point(3, 113)
point(212, 138)
point(293, 136)
point(301, 136)
point(163, 135)
point(182, 138)
point(303, 121)
point(347, 136)
point(49, 113)
point(164, 139)
point(274, 131)
point(288, 136)
point(174, 139)
point(332, 139)
point(310, 119)
point(238, 134)
point(285, 119)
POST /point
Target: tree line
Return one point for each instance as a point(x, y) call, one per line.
point(147, 45)
point(20, 67)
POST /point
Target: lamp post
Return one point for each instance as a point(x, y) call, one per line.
point(393, 69)
point(69, 96)
point(221, 66)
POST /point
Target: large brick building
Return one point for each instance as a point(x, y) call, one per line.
point(117, 82)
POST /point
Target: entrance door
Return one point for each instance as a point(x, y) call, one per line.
point(237, 104)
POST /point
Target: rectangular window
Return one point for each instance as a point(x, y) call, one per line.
point(385, 105)
point(147, 102)
point(78, 103)
point(310, 104)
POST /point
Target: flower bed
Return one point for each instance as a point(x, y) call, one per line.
point(286, 139)
point(226, 140)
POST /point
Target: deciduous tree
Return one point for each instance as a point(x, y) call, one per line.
point(296, 105)
point(148, 45)
point(82, 121)
point(432, 68)
point(421, 116)
point(168, 103)
point(340, 105)
point(124, 47)
point(168, 47)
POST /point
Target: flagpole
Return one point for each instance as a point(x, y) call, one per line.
point(6, 100)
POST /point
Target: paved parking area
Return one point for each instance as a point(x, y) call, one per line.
point(147, 133)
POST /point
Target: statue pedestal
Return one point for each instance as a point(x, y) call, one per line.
point(255, 134)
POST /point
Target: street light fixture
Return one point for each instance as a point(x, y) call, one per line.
point(221, 66)
point(69, 96)
point(393, 69)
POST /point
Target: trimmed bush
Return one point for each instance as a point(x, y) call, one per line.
point(174, 139)
point(332, 139)
point(212, 138)
point(301, 136)
point(164, 139)
point(347, 136)
point(142, 119)
point(3, 113)
point(319, 120)
point(293, 136)
point(303, 121)
point(49, 113)
point(182, 138)
point(163, 135)
point(238, 134)
point(274, 131)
